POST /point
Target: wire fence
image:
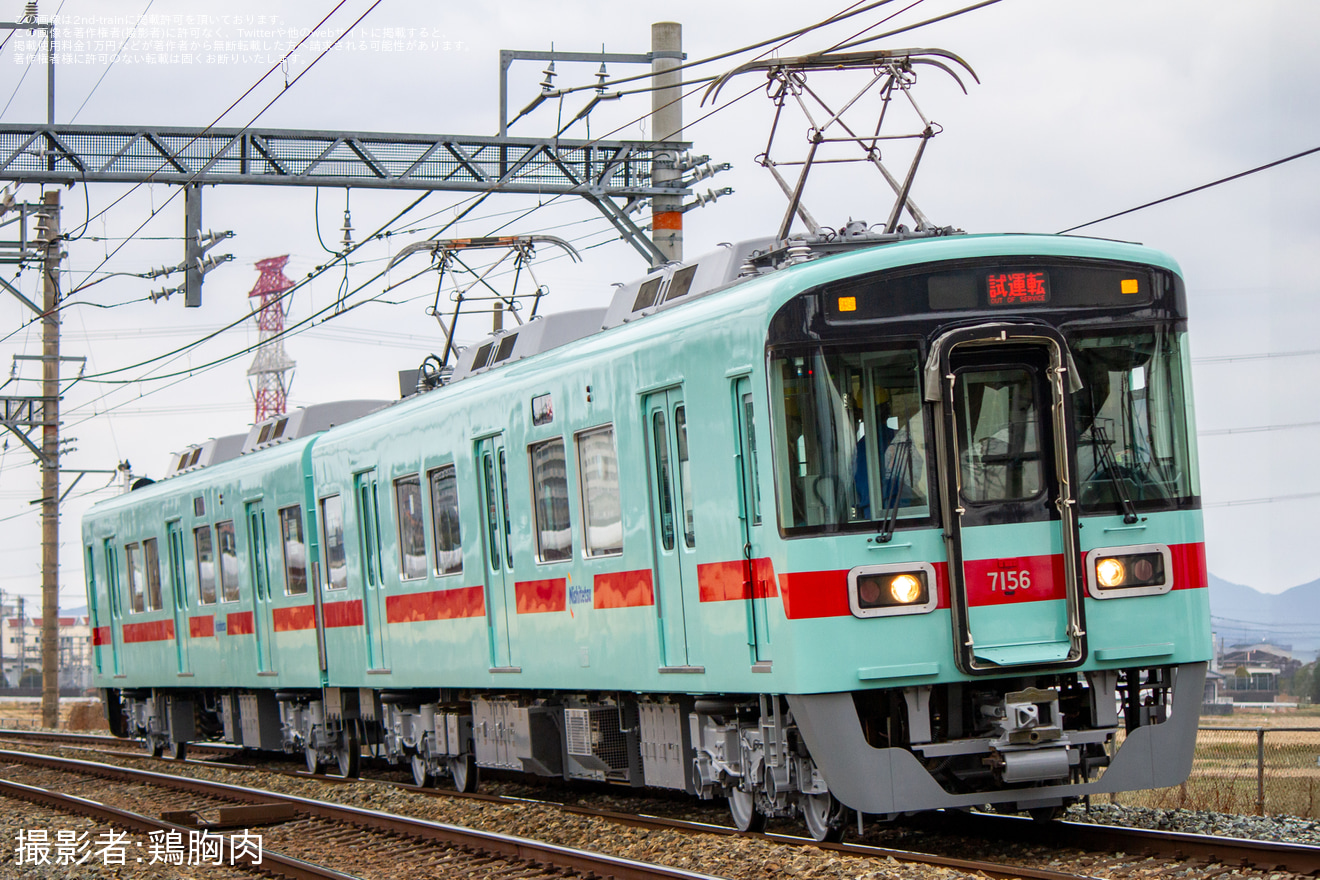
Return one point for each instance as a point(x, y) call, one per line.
point(1246, 770)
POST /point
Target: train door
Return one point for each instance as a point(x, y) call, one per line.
point(258, 564)
point(94, 615)
point(1011, 518)
point(373, 582)
point(116, 609)
point(671, 522)
point(492, 470)
point(749, 515)
point(179, 588)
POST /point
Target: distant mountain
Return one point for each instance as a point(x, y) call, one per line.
point(1288, 619)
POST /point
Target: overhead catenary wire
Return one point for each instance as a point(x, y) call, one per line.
point(226, 111)
point(102, 376)
point(478, 200)
point(28, 67)
point(118, 53)
point(1195, 189)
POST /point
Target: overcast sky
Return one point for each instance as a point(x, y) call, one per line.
point(1084, 109)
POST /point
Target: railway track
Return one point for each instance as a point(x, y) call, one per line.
point(1136, 843)
point(386, 845)
point(322, 821)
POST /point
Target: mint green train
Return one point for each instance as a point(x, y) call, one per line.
point(846, 525)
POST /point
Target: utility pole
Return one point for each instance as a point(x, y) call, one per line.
point(50, 474)
point(667, 125)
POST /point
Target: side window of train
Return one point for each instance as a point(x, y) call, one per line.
point(228, 552)
point(205, 565)
point(554, 535)
point(598, 470)
point(444, 516)
point(332, 538)
point(412, 527)
point(151, 552)
point(136, 577)
point(295, 551)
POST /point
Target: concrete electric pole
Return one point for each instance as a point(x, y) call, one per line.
point(50, 473)
point(667, 125)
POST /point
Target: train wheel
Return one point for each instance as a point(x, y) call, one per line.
point(421, 771)
point(464, 771)
point(154, 746)
point(178, 751)
point(348, 754)
point(747, 816)
point(825, 817)
point(314, 762)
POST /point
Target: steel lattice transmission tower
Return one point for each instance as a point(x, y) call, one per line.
point(272, 364)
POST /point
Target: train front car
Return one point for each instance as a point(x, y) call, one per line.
point(989, 538)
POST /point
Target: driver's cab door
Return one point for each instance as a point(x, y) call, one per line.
point(1010, 511)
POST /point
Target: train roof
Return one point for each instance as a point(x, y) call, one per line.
point(813, 260)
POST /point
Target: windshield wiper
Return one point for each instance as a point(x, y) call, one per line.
point(1099, 437)
point(889, 516)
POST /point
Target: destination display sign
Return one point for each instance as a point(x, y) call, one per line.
point(991, 287)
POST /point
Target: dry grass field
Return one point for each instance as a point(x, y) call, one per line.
point(1260, 762)
point(80, 713)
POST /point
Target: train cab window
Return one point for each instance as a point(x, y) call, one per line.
point(136, 578)
point(205, 565)
point(228, 553)
point(554, 536)
point(850, 448)
point(444, 516)
point(295, 550)
point(332, 538)
point(598, 469)
point(1132, 420)
point(151, 554)
point(412, 528)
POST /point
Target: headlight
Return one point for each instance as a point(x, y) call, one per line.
point(882, 590)
point(1110, 572)
point(1129, 571)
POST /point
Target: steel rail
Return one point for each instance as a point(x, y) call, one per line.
point(1299, 858)
point(500, 845)
point(269, 863)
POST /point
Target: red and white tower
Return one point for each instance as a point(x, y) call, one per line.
point(272, 365)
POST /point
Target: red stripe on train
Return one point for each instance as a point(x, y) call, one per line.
point(623, 589)
point(538, 597)
point(726, 581)
point(293, 618)
point(436, 605)
point(148, 631)
point(240, 623)
point(346, 613)
point(1188, 563)
point(100, 636)
point(201, 627)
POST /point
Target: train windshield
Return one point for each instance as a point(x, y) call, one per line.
point(850, 446)
point(1132, 415)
